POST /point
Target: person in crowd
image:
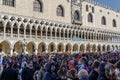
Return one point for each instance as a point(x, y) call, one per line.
point(42, 70)
point(72, 74)
point(109, 72)
point(62, 73)
point(28, 72)
point(117, 70)
point(102, 71)
point(81, 64)
point(93, 75)
point(1, 70)
point(83, 75)
point(24, 63)
point(71, 63)
point(54, 66)
point(50, 74)
point(9, 73)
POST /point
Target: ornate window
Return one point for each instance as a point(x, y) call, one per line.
point(103, 21)
point(60, 11)
point(37, 6)
point(90, 17)
point(114, 23)
point(9, 2)
point(87, 8)
point(76, 15)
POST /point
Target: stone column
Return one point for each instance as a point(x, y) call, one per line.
point(46, 48)
point(96, 49)
point(30, 33)
point(36, 33)
point(90, 48)
point(18, 32)
point(60, 34)
point(71, 48)
point(46, 34)
point(71, 34)
point(11, 51)
point(84, 48)
point(81, 35)
point(41, 34)
point(55, 34)
point(68, 35)
point(78, 34)
point(11, 32)
point(101, 49)
point(51, 34)
point(63, 48)
point(4, 33)
point(36, 51)
point(64, 34)
point(24, 33)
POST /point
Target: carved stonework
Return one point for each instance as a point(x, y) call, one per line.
point(76, 6)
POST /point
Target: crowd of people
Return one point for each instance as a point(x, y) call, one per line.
point(87, 66)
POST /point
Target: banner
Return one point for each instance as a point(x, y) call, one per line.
point(76, 39)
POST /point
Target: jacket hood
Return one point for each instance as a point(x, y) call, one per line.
point(48, 67)
point(102, 68)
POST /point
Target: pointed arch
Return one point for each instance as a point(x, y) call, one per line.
point(38, 6)
point(27, 30)
point(103, 20)
point(90, 17)
point(68, 47)
point(60, 11)
point(33, 30)
point(75, 47)
point(5, 46)
point(114, 24)
point(21, 29)
point(44, 31)
point(88, 47)
point(94, 48)
point(18, 47)
point(30, 47)
point(49, 31)
point(8, 27)
point(58, 32)
point(108, 47)
point(53, 32)
point(82, 47)
point(15, 28)
point(42, 47)
point(51, 47)
point(39, 32)
point(60, 47)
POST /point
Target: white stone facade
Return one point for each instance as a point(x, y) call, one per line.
point(23, 28)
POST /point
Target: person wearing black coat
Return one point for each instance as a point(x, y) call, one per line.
point(28, 72)
point(94, 73)
point(9, 73)
point(50, 74)
point(102, 75)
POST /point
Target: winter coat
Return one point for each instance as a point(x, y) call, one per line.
point(93, 75)
point(41, 74)
point(9, 74)
point(48, 74)
point(27, 74)
point(84, 78)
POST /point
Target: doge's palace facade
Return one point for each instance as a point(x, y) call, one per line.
point(38, 26)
